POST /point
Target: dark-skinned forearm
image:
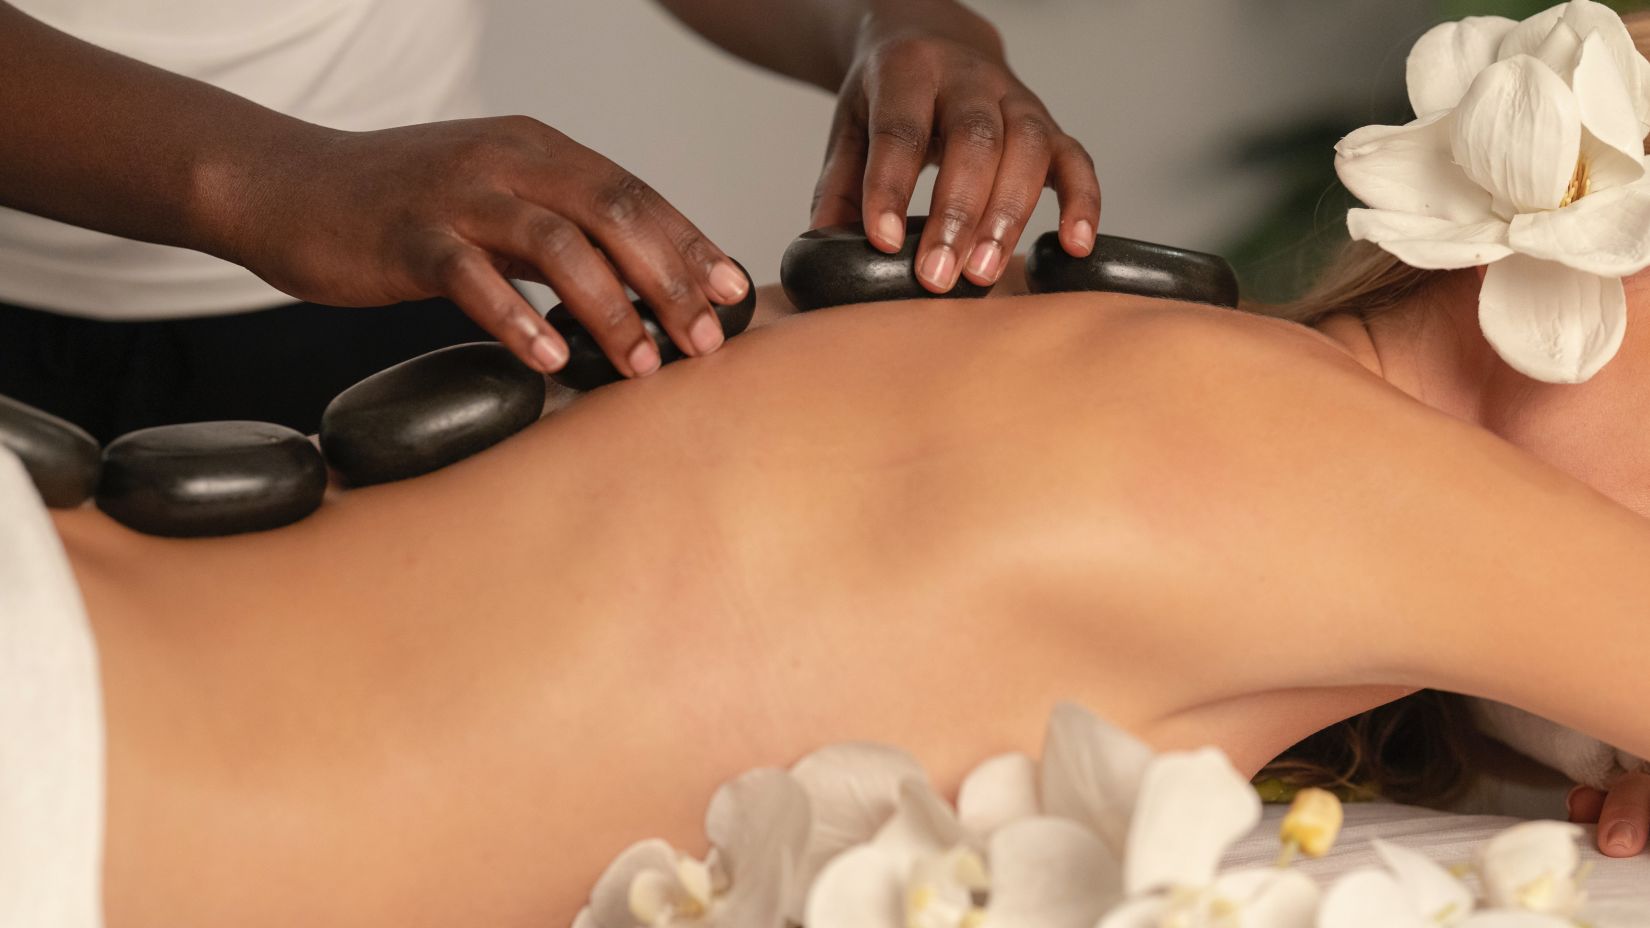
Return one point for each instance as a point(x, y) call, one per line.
point(816, 40)
point(102, 141)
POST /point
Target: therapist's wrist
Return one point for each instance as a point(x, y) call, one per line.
point(240, 189)
point(888, 20)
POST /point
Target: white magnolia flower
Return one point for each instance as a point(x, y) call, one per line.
point(1528, 156)
point(1191, 808)
point(758, 827)
point(925, 869)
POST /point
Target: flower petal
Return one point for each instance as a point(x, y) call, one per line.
point(1588, 18)
point(1561, 51)
point(1607, 234)
point(1192, 807)
point(923, 825)
point(610, 899)
point(862, 888)
point(1432, 244)
point(1605, 99)
point(759, 823)
point(1517, 133)
point(584, 919)
point(1551, 323)
point(1444, 62)
point(1528, 35)
point(1367, 899)
point(1092, 772)
point(1411, 169)
point(853, 790)
point(1527, 855)
point(1271, 898)
point(1137, 913)
point(1429, 887)
point(1052, 873)
point(999, 791)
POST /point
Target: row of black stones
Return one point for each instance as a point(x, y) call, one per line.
point(224, 478)
point(207, 479)
point(838, 266)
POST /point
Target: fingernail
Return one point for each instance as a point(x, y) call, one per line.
point(982, 264)
point(1082, 235)
point(705, 333)
point(891, 229)
point(1621, 838)
point(730, 285)
point(644, 358)
point(1570, 802)
point(548, 354)
point(939, 268)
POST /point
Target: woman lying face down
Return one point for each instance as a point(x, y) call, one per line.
point(453, 699)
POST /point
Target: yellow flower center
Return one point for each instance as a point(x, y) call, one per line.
point(1581, 183)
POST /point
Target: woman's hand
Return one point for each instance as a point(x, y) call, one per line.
point(453, 209)
point(1622, 814)
point(929, 84)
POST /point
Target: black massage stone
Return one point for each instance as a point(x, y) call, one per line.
point(62, 460)
point(206, 479)
point(588, 368)
point(838, 265)
point(424, 414)
point(1121, 265)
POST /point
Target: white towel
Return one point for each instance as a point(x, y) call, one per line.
point(51, 724)
point(1580, 757)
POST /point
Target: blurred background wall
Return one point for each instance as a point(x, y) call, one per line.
point(1211, 121)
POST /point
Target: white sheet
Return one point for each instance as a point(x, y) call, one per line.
point(1445, 837)
point(51, 724)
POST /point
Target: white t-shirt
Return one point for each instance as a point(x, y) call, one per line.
point(347, 64)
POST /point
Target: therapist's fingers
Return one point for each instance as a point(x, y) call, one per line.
point(1071, 174)
point(469, 278)
point(676, 270)
point(1021, 176)
point(1624, 822)
point(565, 260)
point(841, 186)
point(970, 130)
point(670, 264)
point(900, 130)
point(1584, 805)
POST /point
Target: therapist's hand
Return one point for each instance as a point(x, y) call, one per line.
point(929, 84)
point(1622, 814)
point(453, 209)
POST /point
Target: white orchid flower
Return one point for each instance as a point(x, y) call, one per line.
point(1534, 867)
point(1528, 156)
point(758, 827)
point(1414, 892)
point(925, 869)
point(853, 790)
point(1191, 808)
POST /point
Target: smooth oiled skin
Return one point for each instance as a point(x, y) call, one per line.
point(450, 701)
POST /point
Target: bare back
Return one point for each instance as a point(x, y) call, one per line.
point(918, 523)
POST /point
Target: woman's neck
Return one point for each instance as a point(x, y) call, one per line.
point(1431, 348)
